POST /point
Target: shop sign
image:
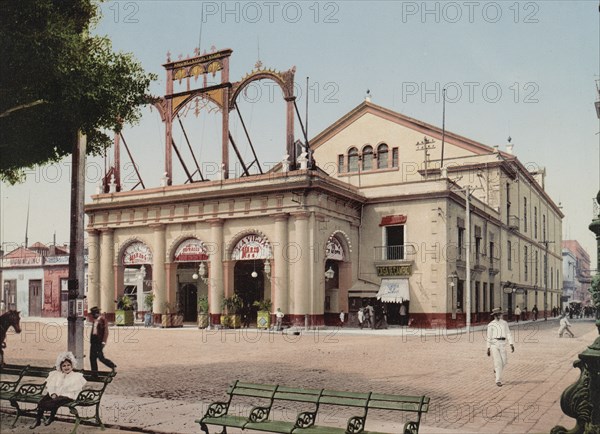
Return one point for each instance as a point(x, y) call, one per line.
point(252, 246)
point(191, 250)
point(57, 260)
point(136, 254)
point(393, 270)
point(334, 250)
point(23, 262)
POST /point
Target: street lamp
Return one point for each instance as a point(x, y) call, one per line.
point(267, 268)
point(453, 277)
point(329, 274)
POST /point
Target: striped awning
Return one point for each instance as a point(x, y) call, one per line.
point(393, 291)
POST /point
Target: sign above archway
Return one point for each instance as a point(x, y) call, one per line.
point(191, 250)
point(334, 250)
point(253, 246)
point(137, 253)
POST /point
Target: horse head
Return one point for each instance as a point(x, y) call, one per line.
point(14, 320)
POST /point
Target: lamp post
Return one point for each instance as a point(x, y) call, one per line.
point(329, 274)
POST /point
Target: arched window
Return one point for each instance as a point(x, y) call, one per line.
point(353, 160)
point(382, 156)
point(367, 158)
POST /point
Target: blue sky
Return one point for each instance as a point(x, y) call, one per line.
point(520, 69)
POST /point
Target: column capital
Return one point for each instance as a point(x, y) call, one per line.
point(283, 216)
point(157, 226)
point(215, 222)
point(92, 232)
point(106, 231)
point(300, 215)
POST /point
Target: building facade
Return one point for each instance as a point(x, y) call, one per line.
point(576, 269)
point(376, 220)
point(34, 280)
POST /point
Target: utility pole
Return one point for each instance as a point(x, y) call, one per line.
point(425, 146)
point(76, 280)
point(468, 259)
point(545, 243)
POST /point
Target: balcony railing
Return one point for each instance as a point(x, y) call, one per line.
point(393, 253)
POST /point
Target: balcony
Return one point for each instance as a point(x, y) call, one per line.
point(513, 223)
point(392, 253)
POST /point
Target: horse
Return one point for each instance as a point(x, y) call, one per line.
point(9, 319)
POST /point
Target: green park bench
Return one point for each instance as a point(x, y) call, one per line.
point(32, 385)
point(10, 376)
point(314, 401)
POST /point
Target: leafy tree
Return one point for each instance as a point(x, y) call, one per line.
point(57, 79)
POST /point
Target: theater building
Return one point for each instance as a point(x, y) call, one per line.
point(370, 215)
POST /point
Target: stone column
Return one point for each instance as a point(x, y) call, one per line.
point(158, 268)
point(215, 282)
point(301, 296)
point(280, 279)
point(107, 290)
point(93, 293)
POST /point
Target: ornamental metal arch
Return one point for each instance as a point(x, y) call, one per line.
point(284, 79)
point(200, 252)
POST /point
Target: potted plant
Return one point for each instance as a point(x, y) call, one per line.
point(148, 301)
point(203, 312)
point(231, 307)
point(171, 318)
point(124, 311)
point(263, 316)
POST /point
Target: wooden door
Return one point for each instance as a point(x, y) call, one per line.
point(35, 298)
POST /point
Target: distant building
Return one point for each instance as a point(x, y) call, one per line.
point(34, 280)
point(576, 271)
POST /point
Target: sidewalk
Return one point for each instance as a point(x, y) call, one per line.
point(167, 377)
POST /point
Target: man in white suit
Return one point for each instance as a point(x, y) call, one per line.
point(498, 334)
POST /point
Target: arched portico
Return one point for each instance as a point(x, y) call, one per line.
point(337, 270)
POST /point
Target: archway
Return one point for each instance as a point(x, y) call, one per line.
point(192, 275)
point(136, 266)
point(251, 273)
point(337, 272)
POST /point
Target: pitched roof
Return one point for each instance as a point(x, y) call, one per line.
point(367, 107)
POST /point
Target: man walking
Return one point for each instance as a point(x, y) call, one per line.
point(98, 339)
point(497, 335)
point(517, 313)
point(565, 327)
point(279, 319)
point(534, 312)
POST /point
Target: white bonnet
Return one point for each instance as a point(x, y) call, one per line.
point(63, 356)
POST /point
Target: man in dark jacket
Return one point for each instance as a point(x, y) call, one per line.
point(98, 339)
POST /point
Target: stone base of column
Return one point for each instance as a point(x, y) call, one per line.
point(300, 320)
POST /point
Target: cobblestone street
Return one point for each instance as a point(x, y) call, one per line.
point(166, 374)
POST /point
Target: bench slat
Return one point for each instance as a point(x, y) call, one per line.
point(362, 403)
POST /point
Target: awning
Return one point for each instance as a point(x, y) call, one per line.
point(393, 291)
point(363, 289)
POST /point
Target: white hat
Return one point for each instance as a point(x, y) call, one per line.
point(67, 355)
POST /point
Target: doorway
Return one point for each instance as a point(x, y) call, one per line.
point(249, 285)
point(35, 298)
point(188, 300)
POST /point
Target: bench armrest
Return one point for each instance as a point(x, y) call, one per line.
point(31, 389)
point(356, 424)
point(217, 409)
point(88, 397)
point(8, 386)
point(306, 419)
point(259, 414)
